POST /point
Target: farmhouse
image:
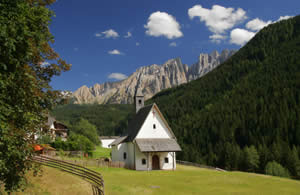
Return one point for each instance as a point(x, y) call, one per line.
point(107, 140)
point(54, 129)
point(150, 143)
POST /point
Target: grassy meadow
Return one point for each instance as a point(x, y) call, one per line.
point(184, 181)
point(101, 152)
point(192, 180)
point(54, 182)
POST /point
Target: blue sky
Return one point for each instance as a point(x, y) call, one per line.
point(107, 40)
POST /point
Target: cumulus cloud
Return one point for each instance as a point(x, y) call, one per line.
point(163, 24)
point(218, 19)
point(129, 34)
point(115, 52)
point(217, 38)
point(257, 24)
point(137, 43)
point(284, 18)
point(117, 76)
point(240, 36)
point(108, 34)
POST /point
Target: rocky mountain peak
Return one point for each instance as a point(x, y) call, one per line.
point(152, 79)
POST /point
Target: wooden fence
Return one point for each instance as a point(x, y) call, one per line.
point(198, 165)
point(94, 178)
point(86, 162)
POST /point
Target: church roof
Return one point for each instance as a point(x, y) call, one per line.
point(139, 93)
point(158, 145)
point(136, 123)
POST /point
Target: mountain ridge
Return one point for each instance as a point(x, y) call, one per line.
point(152, 79)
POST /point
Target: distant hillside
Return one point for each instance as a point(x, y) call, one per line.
point(251, 99)
point(109, 119)
point(152, 79)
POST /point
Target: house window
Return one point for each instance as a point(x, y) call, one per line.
point(154, 126)
point(143, 161)
point(166, 160)
point(124, 155)
point(140, 102)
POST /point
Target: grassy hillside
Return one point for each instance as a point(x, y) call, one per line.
point(185, 180)
point(53, 181)
point(192, 180)
point(251, 99)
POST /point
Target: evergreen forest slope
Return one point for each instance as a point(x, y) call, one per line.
point(109, 119)
point(246, 112)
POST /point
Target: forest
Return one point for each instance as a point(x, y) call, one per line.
point(244, 115)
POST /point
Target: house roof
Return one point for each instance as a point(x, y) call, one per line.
point(50, 120)
point(158, 145)
point(118, 141)
point(108, 137)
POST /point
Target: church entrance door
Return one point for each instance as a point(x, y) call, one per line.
point(155, 162)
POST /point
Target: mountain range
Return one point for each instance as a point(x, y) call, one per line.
point(151, 79)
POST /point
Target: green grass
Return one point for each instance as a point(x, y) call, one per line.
point(191, 180)
point(185, 180)
point(101, 152)
point(54, 181)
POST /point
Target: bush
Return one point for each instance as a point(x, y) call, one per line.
point(275, 169)
point(75, 142)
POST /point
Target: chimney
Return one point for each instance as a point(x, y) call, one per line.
point(138, 100)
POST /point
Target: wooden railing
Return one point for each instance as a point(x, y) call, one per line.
point(94, 178)
point(86, 162)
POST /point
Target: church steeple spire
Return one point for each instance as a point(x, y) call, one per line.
point(138, 100)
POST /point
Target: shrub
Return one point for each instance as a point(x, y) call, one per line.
point(275, 169)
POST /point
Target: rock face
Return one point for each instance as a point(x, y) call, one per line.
point(207, 62)
point(151, 79)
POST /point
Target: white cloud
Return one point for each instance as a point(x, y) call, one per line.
point(240, 36)
point(76, 49)
point(128, 35)
point(117, 76)
point(98, 34)
point(218, 19)
point(257, 24)
point(163, 24)
point(284, 18)
point(115, 52)
point(173, 44)
point(137, 43)
point(217, 38)
point(108, 34)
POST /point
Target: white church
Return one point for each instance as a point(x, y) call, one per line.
point(150, 143)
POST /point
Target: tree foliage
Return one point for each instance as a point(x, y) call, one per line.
point(275, 169)
point(27, 64)
point(75, 142)
point(83, 127)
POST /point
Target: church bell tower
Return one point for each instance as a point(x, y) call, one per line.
point(138, 100)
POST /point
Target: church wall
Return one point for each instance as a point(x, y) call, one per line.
point(117, 154)
point(138, 160)
point(147, 130)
